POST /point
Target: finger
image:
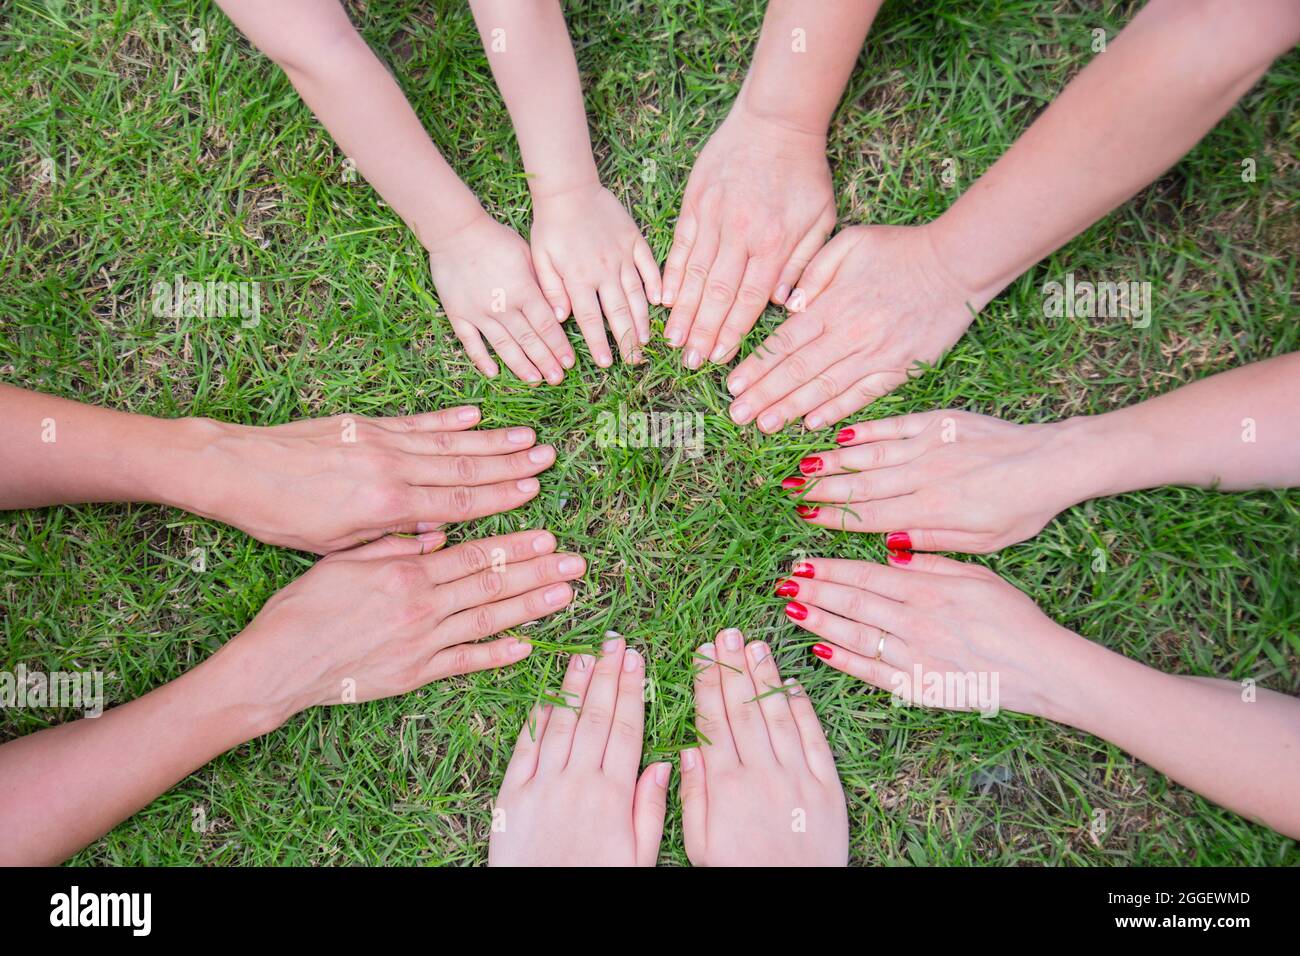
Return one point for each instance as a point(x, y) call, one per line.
point(649, 807)
point(862, 458)
point(472, 557)
point(495, 441)
point(466, 502)
point(854, 398)
point(893, 583)
point(523, 761)
point(719, 295)
point(865, 639)
point(803, 254)
point(619, 316)
point(497, 583)
point(864, 606)
point(476, 623)
point(623, 751)
point(472, 342)
point(755, 287)
point(894, 427)
point(684, 234)
point(741, 700)
point(468, 658)
point(764, 398)
point(936, 564)
point(965, 542)
point(821, 389)
point(686, 304)
point(454, 470)
point(534, 346)
point(849, 489)
point(586, 307)
point(509, 351)
point(635, 293)
point(695, 805)
point(821, 270)
point(597, 716)
point(644, 258)
point(558, 742)
point(790, 336)
point(717, 748)
point(884, 514)
point(875, 672)
point(394, 546)
point(542, 318)
point(816, 749)
point(455, 419)
point(552, 286)
point(773, 705)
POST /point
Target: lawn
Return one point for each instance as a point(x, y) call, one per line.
point(167, 161)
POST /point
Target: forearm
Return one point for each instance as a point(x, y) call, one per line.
point(62, 788)
point(63, 452)
point(1237, 749)
point(1164, 82)
point(1237, 430)
point(531, 56)
point(355, 98)
point(805, 54)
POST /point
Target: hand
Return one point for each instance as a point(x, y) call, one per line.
point(762, 789)
point(871, 304)
point(327, 484)
point(757, 207)
point(945, 480)
point(590, 257)
point(484, 277)
point(388, 617)
point(571, 796)
point(979, 643)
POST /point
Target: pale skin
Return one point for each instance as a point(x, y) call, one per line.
point(879, 299)
point(1235, 746)
point(759, 203)
point(590, 257)
point(377, 621)
point(955, 481)
point(318, 485)
point(761, 788)
point(482, 270)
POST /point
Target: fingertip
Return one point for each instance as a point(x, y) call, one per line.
point(544, 543)
point(519, 650)
point(528, 486)
point(467, 414)
point(690, 758)
point(662, 773)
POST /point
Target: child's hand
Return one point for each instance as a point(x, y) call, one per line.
point(485, 281)
point(590, 257)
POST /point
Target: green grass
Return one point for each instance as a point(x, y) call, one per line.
point(170, 161)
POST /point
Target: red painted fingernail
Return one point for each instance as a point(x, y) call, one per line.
point(900, 557)
point(803, 570)
point(822, 651)
point(898, 541)
point(796, 610)
point(807, 511)
point(845, 436)
point(810, 466)
point(794, 481)
point(787, 588)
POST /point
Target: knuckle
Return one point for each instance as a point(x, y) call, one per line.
point(750, 297)
point(462, 500)
point(491, 583)
point(441, 442)
point(473, 558)
point(796, 367)
point(627, 730)
point(697, 272)
point(719, 291)
point(483, 621)
point(825, 385)
point(466, 468)
point(597, 713)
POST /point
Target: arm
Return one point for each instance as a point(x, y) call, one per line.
point(476, 262)
point(589, 255)
point(319, 484)
point(374, 622)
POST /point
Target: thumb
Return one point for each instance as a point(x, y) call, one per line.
point(648, 808)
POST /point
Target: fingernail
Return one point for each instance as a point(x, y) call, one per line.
point(811, 465)
point(467, 414)
point(527, 485)
point(567, 361)
point(691, 359)
point(689, 757)
point(432, 537)
point(796, 611)
point(807, 512)
point(822, 651)
point(793, 482)
point(782, 293)
point(705, 651)
point(719, 354)
point(731, 639)
point(423, 526)
point(668, 297)
point(661, 774)
point(736, 385)
point(844, 436)
point(631, 660)
point(519, 436)
point(740, 413)
point(757, 652)
point(900, 557)
point(643, 336)
point(804, 570)
point(898, 541)
point(604, 361)
point(560, 314)
point(570, 564)
point(557, 595)
point(787, 589)
point(543, 543)
point(611, 645)
point(674, 336)
point(793, 685)
point(770, 422)
point(583, 661)
point(812, 423)
point(520, 650)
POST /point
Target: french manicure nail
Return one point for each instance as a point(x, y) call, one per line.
point(822, 651)
point(807, 512)
point(844, 436)
point(787, 589)
point(803, 570)
point(810, 465)
point(796, 611)
point(898, 541)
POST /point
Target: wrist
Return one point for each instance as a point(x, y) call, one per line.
point(772, 118)
point(242, 692)
point(197, 458)
point(963, 260)
point(1093, 457)
point(439, 229)
point(581, 177)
